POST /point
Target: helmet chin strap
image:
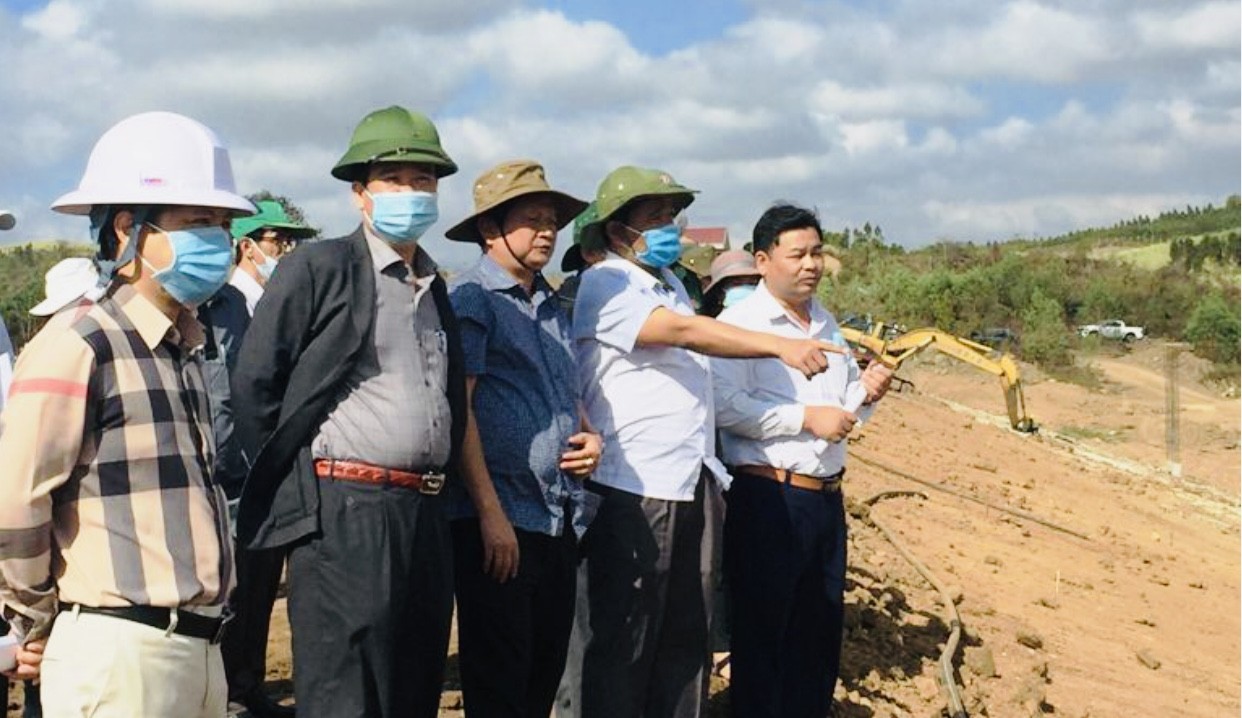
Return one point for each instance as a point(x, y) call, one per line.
point(100, 217)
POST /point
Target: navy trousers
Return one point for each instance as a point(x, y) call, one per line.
point(785, 557)
point(513, 636)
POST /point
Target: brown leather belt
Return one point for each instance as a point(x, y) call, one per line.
point(428, 483)
point(829, 484)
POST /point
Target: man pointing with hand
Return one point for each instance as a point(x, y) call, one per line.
point(640, 642)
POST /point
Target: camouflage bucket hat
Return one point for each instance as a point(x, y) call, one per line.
point(506, 182)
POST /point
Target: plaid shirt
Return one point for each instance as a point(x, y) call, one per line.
point(123, 510)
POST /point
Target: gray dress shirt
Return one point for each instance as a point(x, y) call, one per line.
point(393, 411)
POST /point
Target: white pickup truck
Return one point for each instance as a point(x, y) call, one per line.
point(1112, 329)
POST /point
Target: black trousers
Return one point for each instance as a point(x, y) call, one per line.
point(639, 647)
point(785, 554)
point(245, 641)
point(513, 636)
point(370, 605)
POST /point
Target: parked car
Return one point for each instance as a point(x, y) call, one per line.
point(1112, 329)
point(995, 337)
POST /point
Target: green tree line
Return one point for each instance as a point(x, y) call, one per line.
point(1042, 290)
point(21, 283)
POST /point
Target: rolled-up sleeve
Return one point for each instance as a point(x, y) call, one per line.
point(41, 436)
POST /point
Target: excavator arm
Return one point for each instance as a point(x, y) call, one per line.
point(893, 352)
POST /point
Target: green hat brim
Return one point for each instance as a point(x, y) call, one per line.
point(353, 164)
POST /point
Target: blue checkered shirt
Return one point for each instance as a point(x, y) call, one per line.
point(525, 396)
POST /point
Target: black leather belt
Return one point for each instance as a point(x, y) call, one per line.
point(188, 623)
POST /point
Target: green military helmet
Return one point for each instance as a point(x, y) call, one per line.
point(271, 214)
point(697, 257)
point(624, 185)
point(393, 134)
point(573, 261)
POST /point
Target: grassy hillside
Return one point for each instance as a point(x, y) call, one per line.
point(1042, 288)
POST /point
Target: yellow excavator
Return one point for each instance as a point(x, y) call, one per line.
point(896, 349)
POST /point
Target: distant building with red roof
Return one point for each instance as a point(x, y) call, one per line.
point(715, 237)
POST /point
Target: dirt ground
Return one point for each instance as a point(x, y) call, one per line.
point(1095, 585)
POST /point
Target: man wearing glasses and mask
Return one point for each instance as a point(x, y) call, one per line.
point(261, 241)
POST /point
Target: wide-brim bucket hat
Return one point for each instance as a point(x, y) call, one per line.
point(66, 282)
point(733, 263)
point(506, 182)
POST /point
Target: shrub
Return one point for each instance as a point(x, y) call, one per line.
point(1045, 338)
point(1214, 330)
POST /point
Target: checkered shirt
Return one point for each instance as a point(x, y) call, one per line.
point(106, 471)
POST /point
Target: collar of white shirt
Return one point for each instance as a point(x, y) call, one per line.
point(761, 304)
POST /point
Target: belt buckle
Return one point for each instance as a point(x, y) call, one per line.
point(431, 483)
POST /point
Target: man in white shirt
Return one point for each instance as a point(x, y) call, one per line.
point(783, 435)
point(640, 643)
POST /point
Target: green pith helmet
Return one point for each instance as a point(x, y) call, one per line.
point(697, 258)
point(624, 185)
point(393, 134)
point(271, 214)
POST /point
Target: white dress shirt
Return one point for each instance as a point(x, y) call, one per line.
point(759, 402)
point(652, 404)
point(249, 288)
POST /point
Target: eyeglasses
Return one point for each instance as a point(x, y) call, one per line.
point(282, 241)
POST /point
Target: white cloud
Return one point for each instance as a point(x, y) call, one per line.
point(59, 20)
point(1008, 134)
point(915, 100)
point(967, 118)
point(1024, 40)
point(1212, 25)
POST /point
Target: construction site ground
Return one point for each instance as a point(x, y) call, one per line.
point(1138, 615)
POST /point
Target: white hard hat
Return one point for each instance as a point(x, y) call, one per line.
point(159, 158)
point(68, 281)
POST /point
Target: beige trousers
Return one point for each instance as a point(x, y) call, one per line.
point(109, 667)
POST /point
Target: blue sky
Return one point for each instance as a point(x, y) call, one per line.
point(970, 120)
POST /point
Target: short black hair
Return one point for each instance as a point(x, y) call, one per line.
point(782, 217)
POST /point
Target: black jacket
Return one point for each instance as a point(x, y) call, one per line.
point(307, 332)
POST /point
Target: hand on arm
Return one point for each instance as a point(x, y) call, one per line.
point(500, 547)
point(714, 338)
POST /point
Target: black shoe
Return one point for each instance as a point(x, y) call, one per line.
point(260, 705)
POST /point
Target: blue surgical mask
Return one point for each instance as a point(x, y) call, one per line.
point(403, 216)
point(202, 257)
point(733, 295)
point(663, 246)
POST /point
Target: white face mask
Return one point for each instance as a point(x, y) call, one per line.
point(267, 266)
